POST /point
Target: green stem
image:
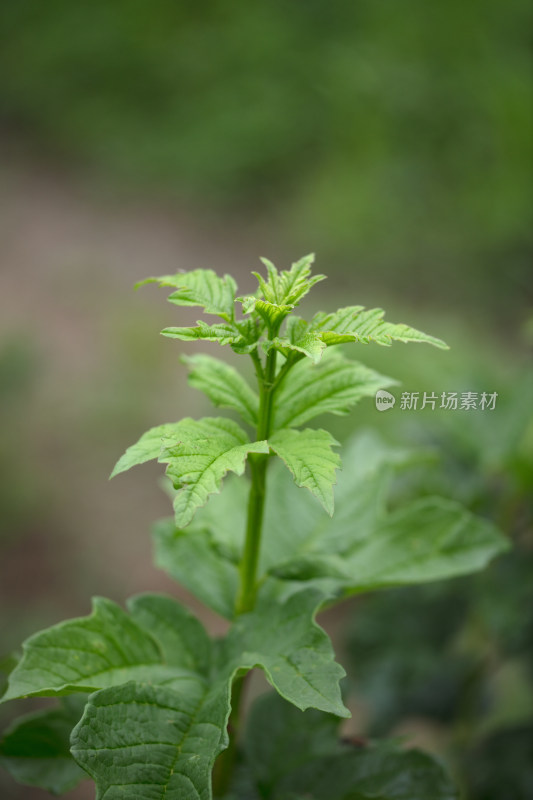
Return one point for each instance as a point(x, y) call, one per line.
point(256, 500)
point(225, 764)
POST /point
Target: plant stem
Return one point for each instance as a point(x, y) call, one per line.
point(256, 500)
point(225, 764)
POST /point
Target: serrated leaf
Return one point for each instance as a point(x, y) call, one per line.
point(334, 386)
point(289, 286)
point(146, 449)
point(192, 558)
point(35, 749)
point(207, 449)
point(272, 314)
point(310, 459)
point(294, 652)
point(364, 541)
point(221, 333)
point(81, 655)
point(355, 324)
point(360, 495)
point(148, 742)
point(294, 754)
point(298, 341)
point(200, 287)
point(223, 385)
point(151, 743)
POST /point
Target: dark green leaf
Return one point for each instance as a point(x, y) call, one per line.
point(294, 652)
point(152, 743)
point(104, 649)
point(35, 750)
point(294, 754)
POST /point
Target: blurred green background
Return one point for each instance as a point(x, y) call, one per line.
point(392, 138)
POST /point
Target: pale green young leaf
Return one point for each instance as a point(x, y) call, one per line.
point(297, 341)
point(221, 333)
point(147, 448)
point(200, 287)
point(309, 456)
point(333, 386)
point(272, 314)
point(294, 652)
point(355, 324)
point(82, 655)
point(223, 385)
point(35, 749)
point(149, 742)
point(288, 287)
point(196, 464)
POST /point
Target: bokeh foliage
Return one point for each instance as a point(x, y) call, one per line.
point(396, 130)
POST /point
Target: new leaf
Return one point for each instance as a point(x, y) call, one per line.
point(354, 324)
point(200, 287)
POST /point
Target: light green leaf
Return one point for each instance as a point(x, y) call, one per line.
point(310, 459)
point(147, 448)
point(35, 750)
point(355, 324)
point(334, 386)
point(200, 287)
point(223, 385)
point(207, 449)
point(192, 558)
point(152, 743)
point(293, 754)
point(289, 286)
point(271, 313)
point(221, 333)
point(298, 341)
point(294, 652)
point(81, 655)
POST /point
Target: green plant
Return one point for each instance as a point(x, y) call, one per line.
point(165, 699)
